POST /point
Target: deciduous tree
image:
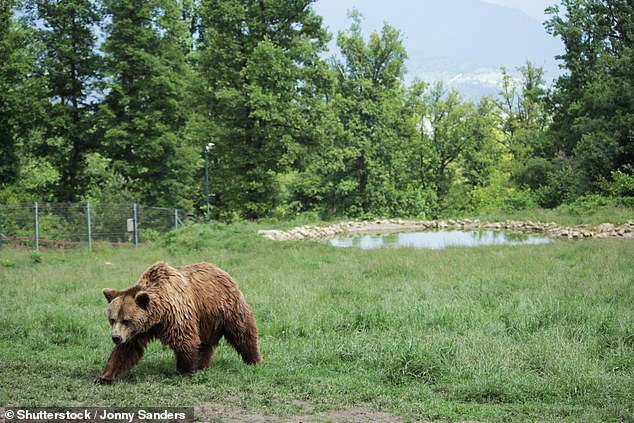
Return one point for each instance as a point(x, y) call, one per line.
point(457, 144)
point(593, 117)
point(261, 87)
point(376, 144)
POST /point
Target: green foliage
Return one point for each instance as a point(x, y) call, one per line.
point(584, 206)
point(71, 62)
point(524, 121)
point(106, 186)
point(523, 116)
point(501, 194)
point(563, 184)
point(124, 113)
point(457, 151)
point(37, 182)
point(597, 212)
point(622, 184)
point(143, 114)
point(35, 257)
point(366, 170)
point(21, 95)
point(519, 200)
point(599, 205)
point(594, 102)
point(260, 84)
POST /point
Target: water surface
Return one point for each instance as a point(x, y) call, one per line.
point(438, 239)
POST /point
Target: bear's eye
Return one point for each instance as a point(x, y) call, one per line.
point(111, 321)
point(126, 321)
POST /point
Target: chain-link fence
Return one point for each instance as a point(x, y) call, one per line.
point(41, 225)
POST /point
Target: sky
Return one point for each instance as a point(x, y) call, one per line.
point(449, 39)
point(533, 8)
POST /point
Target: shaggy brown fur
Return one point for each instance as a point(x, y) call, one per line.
point(188, 308)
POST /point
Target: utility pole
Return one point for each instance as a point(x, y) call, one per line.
point(207, 151)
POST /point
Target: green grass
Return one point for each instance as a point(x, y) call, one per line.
point(523, 333)
point(592, 211)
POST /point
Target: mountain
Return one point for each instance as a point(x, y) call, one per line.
point(462, 42)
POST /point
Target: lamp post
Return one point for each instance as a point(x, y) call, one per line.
point(208, 148)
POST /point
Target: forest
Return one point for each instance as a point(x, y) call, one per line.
point(115, 101)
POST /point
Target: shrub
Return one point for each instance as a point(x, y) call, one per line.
point(622, 186)
point(518, 200)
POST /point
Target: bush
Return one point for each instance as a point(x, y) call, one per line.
point(502, 194)
point(564, 185)
point(622, 184)
point(533, 173)
point(588, 204)
point(518, 200)
point(626, 202)
point(599, 208)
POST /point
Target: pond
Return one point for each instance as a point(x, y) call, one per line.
point(438, 239)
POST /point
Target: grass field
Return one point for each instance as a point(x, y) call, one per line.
point(523, 333)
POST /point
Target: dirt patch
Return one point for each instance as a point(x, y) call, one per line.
point(231, 414)
point(358, 416)
point(217, 413)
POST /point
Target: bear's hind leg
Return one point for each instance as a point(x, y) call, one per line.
point(206, 350)
point(246, 344)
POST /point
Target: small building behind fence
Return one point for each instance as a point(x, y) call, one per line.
point(61, 225)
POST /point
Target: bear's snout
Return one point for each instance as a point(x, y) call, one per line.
point(116, 339)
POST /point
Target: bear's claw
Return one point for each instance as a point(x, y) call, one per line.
point(102, 380)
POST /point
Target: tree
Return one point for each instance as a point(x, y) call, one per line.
point(373, 175)
point(15, 65)
point(457, 147)
point(143, 116)
point(260, 95)
point(70, 63)
point(594, 101)
point(524, 121)
point(22, 103)
point(522, 105)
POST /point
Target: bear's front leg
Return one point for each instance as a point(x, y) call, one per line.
point(122, 359)
point(187, 361)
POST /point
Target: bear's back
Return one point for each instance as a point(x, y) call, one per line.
point(205, 276)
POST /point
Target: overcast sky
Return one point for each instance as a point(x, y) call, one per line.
point(445, 38)
point(533, 8)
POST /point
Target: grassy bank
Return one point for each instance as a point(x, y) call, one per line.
point(591, 211)
point(525, 333)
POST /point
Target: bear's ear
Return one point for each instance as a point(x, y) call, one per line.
point(110, 294)
point(142, 299)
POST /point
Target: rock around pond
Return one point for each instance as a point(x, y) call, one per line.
point(437, 239)
point(545, 230)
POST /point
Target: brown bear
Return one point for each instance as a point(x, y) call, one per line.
point(188, 308)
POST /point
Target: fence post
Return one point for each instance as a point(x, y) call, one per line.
point(36, 227)
point(136, 228)
point(88, 225)
point(175, 218)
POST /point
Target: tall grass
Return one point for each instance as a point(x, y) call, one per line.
point(590, 210)
point(525, 333)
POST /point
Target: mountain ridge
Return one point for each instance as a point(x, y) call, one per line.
point(456, 41)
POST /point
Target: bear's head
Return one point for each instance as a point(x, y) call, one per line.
point(129, 313)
